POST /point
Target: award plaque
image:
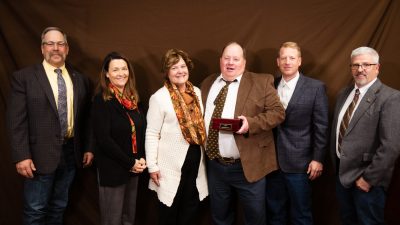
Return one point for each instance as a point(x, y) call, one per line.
point(232, 125)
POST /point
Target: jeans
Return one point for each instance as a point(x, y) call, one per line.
point(288, 192)
point(361, 208)
point(46, 195)
point(227, 181)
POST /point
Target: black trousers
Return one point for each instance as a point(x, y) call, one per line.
point(184, 210)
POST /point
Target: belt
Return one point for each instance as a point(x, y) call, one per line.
point(227, 160)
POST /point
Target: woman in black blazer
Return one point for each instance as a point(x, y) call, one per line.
point(119, 125)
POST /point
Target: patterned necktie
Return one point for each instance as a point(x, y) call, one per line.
point(212, 147)
point(62, 102)
point(346, 119)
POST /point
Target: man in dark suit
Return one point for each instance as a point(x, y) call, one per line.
point(242, 159)
point(47, 117)
point(365, 141)
point(301, 141)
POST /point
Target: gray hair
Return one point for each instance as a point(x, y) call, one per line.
point(366, 51)
point(47, 29)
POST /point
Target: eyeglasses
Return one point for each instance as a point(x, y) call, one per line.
point(364, 66)
point(53, 44)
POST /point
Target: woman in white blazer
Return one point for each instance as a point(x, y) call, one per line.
point(174, 138)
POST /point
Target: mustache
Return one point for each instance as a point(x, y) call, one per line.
point(56, 53)
point(358, 74)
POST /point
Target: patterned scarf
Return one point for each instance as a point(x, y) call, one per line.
point(192, 125)
point(129, 103)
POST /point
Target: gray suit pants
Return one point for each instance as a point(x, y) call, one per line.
point(118, 204)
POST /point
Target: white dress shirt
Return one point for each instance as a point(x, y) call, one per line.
point(227, 144)
point(286, 89)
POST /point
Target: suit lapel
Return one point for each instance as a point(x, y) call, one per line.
point(75, 85)
point(244, 90)
point(298, 91)
point(44, 82)
point(368, 99)
point(340, 102)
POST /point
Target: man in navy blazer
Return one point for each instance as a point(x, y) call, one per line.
point(365, 151)
point(45, 152)
point(301, 141)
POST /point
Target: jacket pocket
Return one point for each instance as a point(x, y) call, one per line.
point(266, 142)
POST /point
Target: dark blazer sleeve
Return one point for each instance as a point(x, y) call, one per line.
point(143, 107)
point(320, 120)
point(88, 136)
point(17, 118)
point(101, 122)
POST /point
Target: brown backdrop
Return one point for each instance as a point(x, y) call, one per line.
point(143, 30)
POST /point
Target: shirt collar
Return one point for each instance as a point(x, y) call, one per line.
point(221, 79)
point(365, 88)
point(48, 67)
point(291, 84)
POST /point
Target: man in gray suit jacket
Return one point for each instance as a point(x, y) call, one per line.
point(301, 141)
point(364, 150)
point(46, 148)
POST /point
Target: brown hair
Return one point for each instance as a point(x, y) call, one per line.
point(172, 57)
point(130, 86)
point(47, 29)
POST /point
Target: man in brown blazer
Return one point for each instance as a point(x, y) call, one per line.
point(244, 157)
point(47, 117)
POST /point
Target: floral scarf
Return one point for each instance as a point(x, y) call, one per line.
point(192, 125)
point(129, 103)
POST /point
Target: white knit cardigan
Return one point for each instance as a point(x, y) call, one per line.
point(166, 148)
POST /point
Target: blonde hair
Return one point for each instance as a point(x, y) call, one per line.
point(290, 44)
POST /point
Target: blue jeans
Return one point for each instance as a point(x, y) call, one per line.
point(227, 181)
point(288, 192)
point(46, 195)
point(361, 208)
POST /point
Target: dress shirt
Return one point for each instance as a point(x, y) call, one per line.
point(286, 89)
point(346, 104)
point(52, 77)
point(227, 144)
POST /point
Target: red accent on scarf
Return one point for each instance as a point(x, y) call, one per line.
point(129, 103)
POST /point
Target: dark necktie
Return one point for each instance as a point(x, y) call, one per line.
point(212, 147)
point(62, 102)
point(346, 119)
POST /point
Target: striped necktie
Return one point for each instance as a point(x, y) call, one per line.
point(346, 119)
